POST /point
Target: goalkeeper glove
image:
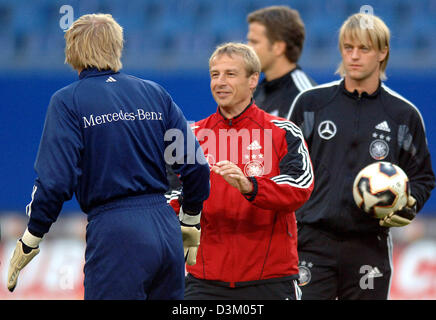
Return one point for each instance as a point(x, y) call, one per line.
point(401, 217)
point(190, 225)
point(25, 251)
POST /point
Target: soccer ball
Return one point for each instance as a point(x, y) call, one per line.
point(381, 188)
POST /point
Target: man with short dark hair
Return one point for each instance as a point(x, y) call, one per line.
point(277, 35)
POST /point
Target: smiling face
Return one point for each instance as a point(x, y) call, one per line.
point(231, 87)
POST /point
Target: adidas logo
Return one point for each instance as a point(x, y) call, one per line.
point(110, 79)
point(375, 273)
point(254, 146)
point(383, 126)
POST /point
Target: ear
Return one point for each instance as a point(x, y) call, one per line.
point(382, 54)
point(279, 47)
point(253, 80)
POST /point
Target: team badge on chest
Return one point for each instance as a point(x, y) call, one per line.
point(253, 168)
point(379, 149)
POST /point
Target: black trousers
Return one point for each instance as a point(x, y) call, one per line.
point(347, 268)
point(198, 289)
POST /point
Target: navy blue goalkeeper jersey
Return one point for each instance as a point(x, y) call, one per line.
point(107, 136)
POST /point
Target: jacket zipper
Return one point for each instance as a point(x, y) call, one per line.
point(232, 278)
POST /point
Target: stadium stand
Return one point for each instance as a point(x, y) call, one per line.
point(177, 29)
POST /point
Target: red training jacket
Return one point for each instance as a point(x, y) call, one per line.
point(252, 237)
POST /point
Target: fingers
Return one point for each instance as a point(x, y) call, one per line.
point(227, 171)
point(190, 236)
point(12, 278)
point(223, 163)
point(185, 252)
point(394, 220)
point(388, 224)
point(225, 167)
point(18, 261)
point(233, 175)
point(191, 241)
point(191, 257)
point(14, 269)
point(411, 201)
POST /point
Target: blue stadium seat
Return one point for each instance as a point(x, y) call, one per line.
point(155, 26)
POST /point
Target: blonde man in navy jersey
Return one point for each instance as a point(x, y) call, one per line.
point(104, 141)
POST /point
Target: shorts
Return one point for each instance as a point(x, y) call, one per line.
point(134, 251)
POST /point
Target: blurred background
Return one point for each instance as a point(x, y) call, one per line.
point(169, 41)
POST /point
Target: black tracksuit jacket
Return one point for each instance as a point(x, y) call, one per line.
point(345, 132)
point(276, 96)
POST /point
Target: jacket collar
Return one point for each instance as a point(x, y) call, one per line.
point(277, 83)
point(355, 94)
point(237, 118)
point(93, 72)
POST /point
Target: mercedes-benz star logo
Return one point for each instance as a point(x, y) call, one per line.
point(327, 129)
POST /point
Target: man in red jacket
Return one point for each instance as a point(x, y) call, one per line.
point(261, 173)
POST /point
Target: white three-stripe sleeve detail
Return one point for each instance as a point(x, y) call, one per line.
point(29, 206)
point(395, 94)
point(303, 79)
point(174, 195)
point(306, 178)
point(297, 82)
point(329, 84)
point(391, 264)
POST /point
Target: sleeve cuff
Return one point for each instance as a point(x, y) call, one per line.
point(189, 219)
point(191, 207)
point(250, 196)
point(30, 240)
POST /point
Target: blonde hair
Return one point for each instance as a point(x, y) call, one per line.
point(371, 31)
point(94, 40)
point(251, 60)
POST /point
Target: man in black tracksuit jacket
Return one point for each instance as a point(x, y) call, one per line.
point(276, 96)
point(345, 253)
point(277, 35)
point(356, 131)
